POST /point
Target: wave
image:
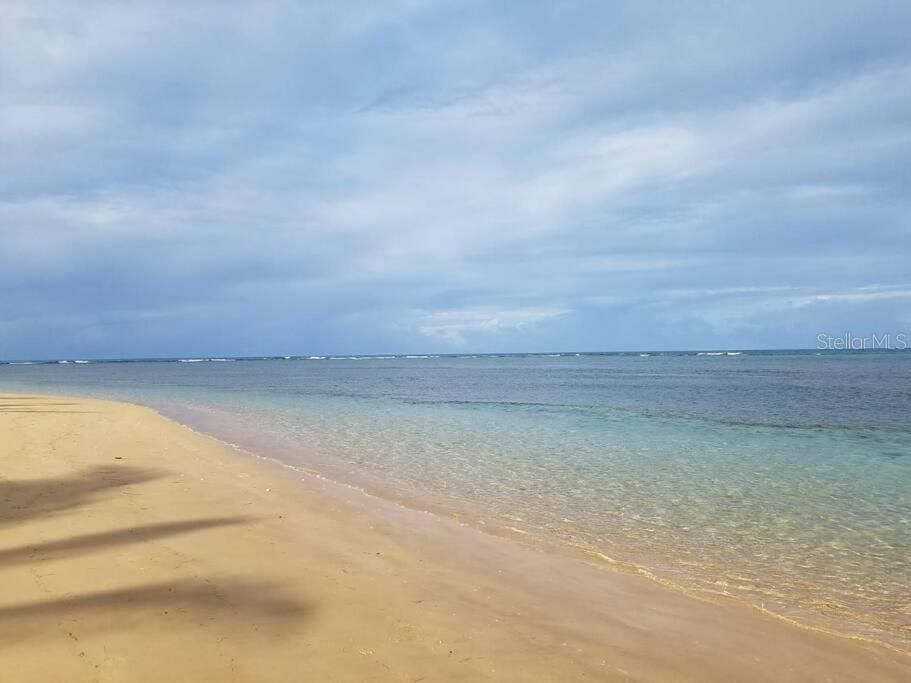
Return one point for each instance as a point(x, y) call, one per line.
point(205, 360)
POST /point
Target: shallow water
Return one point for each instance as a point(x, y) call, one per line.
point(781, 478)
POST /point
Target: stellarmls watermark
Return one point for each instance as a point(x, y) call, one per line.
point(851, 342)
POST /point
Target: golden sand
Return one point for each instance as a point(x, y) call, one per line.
point(134, 549)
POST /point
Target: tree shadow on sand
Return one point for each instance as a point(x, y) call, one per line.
point(39, 405)
point(261, 607)
point(26, 499)
point(87, 543)
point(190, 602)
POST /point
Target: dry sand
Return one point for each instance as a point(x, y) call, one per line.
point(134, 549)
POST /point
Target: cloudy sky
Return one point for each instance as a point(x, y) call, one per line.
point(417, 175)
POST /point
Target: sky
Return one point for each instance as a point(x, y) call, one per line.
point(247, 178)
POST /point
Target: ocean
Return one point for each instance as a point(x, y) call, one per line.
point(780, 478)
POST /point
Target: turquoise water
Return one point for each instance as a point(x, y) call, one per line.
point(780, 478)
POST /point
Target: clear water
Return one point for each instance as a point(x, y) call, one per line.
point(781, 478)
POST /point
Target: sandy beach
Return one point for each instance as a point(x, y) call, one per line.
point(134, 549)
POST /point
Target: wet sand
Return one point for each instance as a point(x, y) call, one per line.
point(134, 549)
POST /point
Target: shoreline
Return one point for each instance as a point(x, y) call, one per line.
point(348, 569)
point(464, 514)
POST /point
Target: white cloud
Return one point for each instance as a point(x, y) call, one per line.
point(827, 192)
point(453, 327)
point(748, 308)
point(410, 157)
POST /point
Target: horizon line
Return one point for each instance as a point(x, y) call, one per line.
point(428, 355)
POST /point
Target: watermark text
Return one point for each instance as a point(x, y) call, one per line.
point(852, 342)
